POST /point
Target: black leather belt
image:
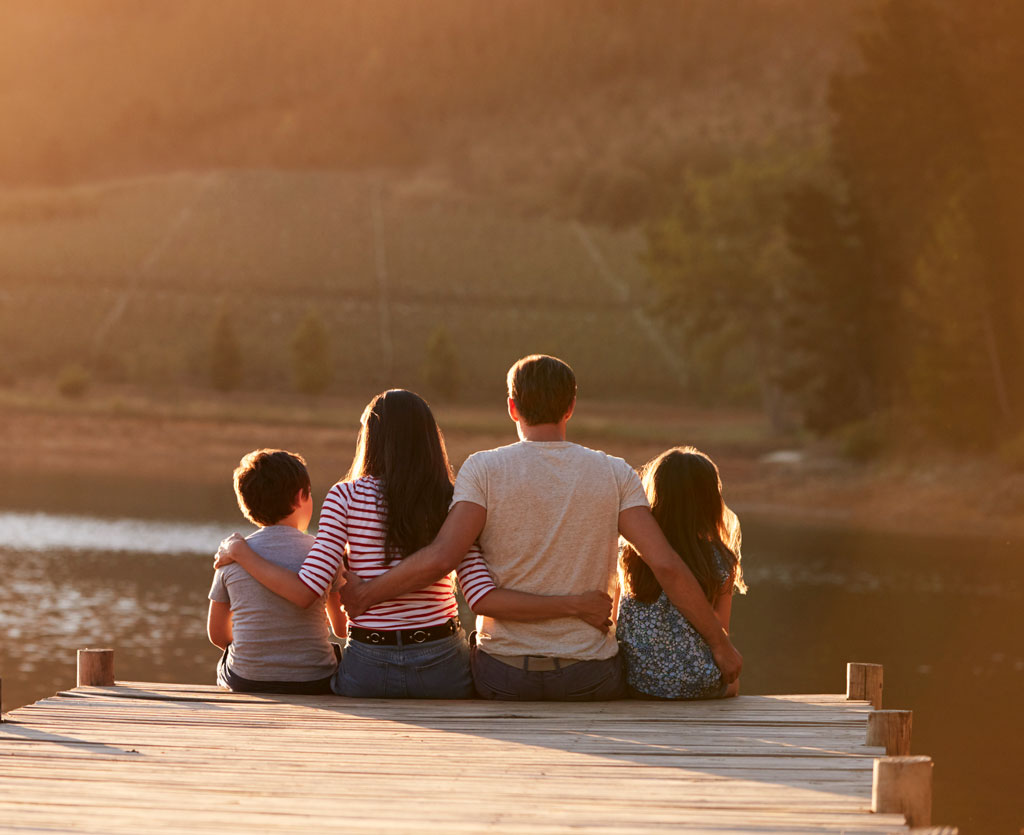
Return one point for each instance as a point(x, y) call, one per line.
point(396, 637)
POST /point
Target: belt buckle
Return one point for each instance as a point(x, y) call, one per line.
point(419, 636)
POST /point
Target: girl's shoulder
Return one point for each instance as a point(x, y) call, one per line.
point(723, 565)
point(363, 488)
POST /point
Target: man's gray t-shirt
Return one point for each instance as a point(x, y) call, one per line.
point(273, 639)
point(552, 528)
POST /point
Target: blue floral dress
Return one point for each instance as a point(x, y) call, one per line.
point(665, 656)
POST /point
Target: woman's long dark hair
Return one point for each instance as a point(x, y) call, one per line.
point(401, 444)
point(685, 492)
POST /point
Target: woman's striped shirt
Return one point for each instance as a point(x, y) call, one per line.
point(352, 526)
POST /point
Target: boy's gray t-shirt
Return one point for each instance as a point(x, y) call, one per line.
point(273, 639)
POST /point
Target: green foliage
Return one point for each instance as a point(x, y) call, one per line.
point(441, 365)
point(719, 263)
point(862, 440)
point(311, 357)
point(73, 381)
point(225, 357)
point(932, 190)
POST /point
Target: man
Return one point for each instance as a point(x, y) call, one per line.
point(548, 514)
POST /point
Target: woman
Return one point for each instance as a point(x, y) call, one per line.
point(392, 503)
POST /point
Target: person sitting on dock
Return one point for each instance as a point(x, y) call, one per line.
point(271, 645)
point(392, 502)
point(665, 656)
point(548, 514)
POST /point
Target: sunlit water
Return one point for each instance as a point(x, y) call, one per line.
point(20, 531)
point(943, 615)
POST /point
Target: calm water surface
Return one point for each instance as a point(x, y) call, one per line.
point(943, 615)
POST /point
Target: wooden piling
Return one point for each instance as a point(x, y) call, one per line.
point(903, 785)
point(95, 667)
point(891, 729)
point(864, 681)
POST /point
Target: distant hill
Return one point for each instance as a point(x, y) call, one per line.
point(128, 277)
point(500, 93)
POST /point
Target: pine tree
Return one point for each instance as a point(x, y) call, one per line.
point(441, 365)
point(225, 354)
point(311, 360)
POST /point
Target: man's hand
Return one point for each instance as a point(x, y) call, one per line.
point(728, 660)
point(227, 550)
point(595, 608)
point(352, 597)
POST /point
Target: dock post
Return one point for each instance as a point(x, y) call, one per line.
point(903, 785)
point(864, 681)
point(891, 730)
point(95, 667)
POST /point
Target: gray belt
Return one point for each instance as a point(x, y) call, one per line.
point(534, 663)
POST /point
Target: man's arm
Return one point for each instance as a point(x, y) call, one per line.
point(218, 624)
point(278, 579)
point(641, 530)
point(593, 607)
point(432, 562)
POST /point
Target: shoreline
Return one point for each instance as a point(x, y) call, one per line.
point(195, 445)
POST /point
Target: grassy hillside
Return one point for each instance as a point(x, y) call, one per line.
point(127, 278)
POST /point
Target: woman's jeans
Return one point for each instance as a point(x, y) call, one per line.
point(434, 670)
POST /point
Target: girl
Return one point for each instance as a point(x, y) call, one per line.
point(392, 503)
point(665, 656)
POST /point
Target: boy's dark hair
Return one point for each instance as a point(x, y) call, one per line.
point(266, 482)
point(543, 389)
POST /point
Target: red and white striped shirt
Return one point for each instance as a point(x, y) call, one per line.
point(352, 525)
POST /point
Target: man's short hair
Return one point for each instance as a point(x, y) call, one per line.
point(266, 483)
point(543, 389)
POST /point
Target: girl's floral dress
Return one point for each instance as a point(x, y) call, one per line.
point(665, 656)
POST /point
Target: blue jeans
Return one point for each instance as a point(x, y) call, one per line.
point(584, 681)
point(434, 670)
point(226, 677)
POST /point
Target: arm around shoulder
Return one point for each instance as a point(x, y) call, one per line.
point(429, 564)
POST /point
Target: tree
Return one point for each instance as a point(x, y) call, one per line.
point(441, 364)
point(926, 142)
point(311, 360)
point(225, 354)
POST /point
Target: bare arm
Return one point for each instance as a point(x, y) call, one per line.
point(218, 624)
point(431, 563)
point(339, 622)
point(723, 609)
point(281, 581)
point(638, 526)
point(593, 607)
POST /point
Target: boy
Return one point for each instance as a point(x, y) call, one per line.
point(548, 514)
point(271, 645)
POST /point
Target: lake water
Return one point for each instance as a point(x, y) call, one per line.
point(944, 615)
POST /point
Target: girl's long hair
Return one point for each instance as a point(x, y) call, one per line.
point(685, 492)
point(401, 445)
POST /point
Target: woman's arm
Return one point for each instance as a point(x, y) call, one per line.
point(218, 624)
point(593, 607)
point(279, 580)
point(335, 615)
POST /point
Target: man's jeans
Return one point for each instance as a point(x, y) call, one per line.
point(434, 670)
point(584, 681)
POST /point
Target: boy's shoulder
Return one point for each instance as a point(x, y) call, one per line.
point(280, 543)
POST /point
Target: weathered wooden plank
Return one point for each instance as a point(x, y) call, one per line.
point(196, 758)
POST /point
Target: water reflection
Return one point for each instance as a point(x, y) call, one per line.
point(46, 531)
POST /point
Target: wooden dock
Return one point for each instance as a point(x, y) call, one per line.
point(191, 758)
